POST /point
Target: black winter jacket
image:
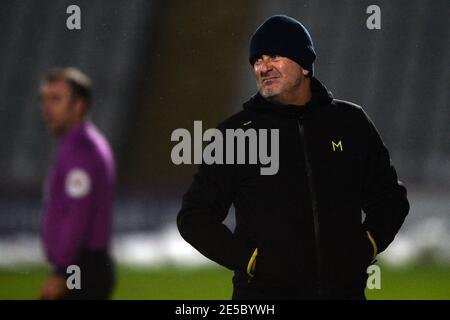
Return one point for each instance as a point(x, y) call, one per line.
point(306, 220)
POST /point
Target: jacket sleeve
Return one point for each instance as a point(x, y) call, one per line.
point(204, 208)
point(73, 212)
point(384, 197)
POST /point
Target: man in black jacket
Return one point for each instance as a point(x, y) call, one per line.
point(299, 233)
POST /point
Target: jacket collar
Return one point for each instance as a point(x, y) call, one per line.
point(74, 132)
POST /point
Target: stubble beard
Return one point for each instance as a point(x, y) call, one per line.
point(277, 94)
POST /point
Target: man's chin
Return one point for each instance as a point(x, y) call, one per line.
point(269, 94)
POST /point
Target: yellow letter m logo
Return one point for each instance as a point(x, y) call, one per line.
point(337, 145)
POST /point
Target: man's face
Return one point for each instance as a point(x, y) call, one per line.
point(277, 75)
point(58, 106)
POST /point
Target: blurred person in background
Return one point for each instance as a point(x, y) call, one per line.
point(79, 191)
point(299, 233)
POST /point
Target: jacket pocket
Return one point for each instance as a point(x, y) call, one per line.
point(373, 246)
point(251, 266)
point(368, 248)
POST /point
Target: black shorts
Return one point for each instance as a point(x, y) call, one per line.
point(97, 277)
point(252, 290)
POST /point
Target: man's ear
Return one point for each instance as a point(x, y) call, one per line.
point(81, 107)
point(305, 72)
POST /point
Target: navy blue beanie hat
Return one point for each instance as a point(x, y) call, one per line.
point(284, 36)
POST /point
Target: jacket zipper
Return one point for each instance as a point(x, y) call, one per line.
point(314, 205)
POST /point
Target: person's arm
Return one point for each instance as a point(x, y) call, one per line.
point(384, 197)
point(204, 208)
point(78, 200)
point(69, 213)
point(74, 210)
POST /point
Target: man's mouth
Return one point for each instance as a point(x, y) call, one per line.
point(268, 79)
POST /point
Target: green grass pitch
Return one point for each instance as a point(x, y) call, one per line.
point(23, 282)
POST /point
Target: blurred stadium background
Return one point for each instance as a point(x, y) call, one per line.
point(160, 65)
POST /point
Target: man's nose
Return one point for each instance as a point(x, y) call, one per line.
point(265, 66)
